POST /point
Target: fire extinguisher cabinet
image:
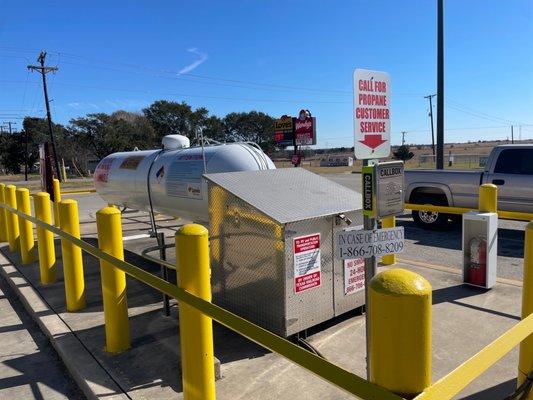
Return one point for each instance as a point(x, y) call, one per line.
point(480, 247)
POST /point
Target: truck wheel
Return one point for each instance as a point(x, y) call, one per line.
point(431, 219)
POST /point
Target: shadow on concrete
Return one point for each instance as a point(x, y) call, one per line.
point(499, 391)
point(452, 294)
point(39, 369)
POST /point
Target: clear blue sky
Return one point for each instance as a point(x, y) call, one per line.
point(275, 57)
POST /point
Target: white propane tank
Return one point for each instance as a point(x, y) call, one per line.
point(173, 175)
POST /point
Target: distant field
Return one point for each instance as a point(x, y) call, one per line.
point(34, 182)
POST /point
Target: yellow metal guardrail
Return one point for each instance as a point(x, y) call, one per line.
point(324, 369)
point(488, 202)
point(197, 310)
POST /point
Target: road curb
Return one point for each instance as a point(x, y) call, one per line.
point(78, 360)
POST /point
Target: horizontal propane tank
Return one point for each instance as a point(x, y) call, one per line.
point(171, 178)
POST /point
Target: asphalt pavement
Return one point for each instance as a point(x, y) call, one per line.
point(443, 248)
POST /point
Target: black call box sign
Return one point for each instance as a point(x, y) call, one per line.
point(368, 191)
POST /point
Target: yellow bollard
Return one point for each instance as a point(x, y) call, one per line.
point(388, 222)
point(196, 329)
point(71, 254)
point(63, 170)
point(45, 239)
point(488, 198)
point(57, 200)
point(117, 329)
point(12, 221)
point(400, 331)
point(525, 359)
point(3, 227)
point(27, 243)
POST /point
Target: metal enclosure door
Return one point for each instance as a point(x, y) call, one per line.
point(346, 297)
point(314, 305)
point(247, 255)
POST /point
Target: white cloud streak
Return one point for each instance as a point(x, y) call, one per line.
point(191, 67)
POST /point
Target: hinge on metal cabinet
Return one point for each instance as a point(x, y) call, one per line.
point(342, 218)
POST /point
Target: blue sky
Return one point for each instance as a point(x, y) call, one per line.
point(275, 57)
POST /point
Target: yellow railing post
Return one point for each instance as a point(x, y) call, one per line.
point(45, 239)
point(117, 330)
point(400, 332)
point(488, 198)
point(27, 243)
point(388, 222)
point(12, 221)
point(3, 227)
point(57, 200)
point(525, 360)
point(71, 255)
point(196, 329)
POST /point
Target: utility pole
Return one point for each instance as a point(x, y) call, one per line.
point(44, 70)
point(9, 124)
point(403, 137)
point(429, 97)
point(512, 135)
point(440, 84)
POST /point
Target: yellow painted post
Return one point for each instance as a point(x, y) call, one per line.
point(27, 243)
point(57, 200)
point(71, 254)
point(45, 239)
point(525, 360)
point(400, 332)
point(388, 222)
point(3, 227)
point(63, 170)
point(117, 329)
point(196, 329)
point(12, 221)
point(488, 198)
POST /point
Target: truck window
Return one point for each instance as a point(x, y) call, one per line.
point(515, 161)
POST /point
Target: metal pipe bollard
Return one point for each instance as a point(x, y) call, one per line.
point(117, 329)
point(3, 227)
point(388, 222)
point(57, 200)
point(12, 221)
point(196, 329)
point(488, 198)
point(27, 243)
point(45, 239)
point(525, 359)
point(400, 332)
point(72, 258)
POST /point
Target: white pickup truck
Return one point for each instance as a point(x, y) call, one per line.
point(510, 167)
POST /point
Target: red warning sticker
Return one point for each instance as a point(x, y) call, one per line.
point(307, 262)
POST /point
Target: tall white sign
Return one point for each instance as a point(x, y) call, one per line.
point(371, 108)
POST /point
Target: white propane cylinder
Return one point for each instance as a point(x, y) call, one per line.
point(174, 177)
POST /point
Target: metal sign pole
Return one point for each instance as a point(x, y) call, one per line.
point(369, 223)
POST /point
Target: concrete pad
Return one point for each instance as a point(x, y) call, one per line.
point(465, 319)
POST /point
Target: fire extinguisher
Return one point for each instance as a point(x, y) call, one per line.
point(477, 268)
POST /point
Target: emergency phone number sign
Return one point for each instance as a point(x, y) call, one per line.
point(365, 244)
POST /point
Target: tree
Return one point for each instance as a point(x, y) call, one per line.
point(254, 126)
point(169, 117)
point(103, 134)
point(403, 153)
